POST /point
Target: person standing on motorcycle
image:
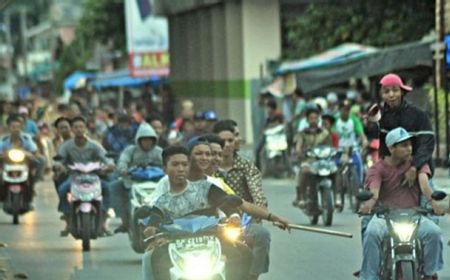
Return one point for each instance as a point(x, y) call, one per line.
point(384, 180)
point(310, 137)
point(144, 152)
point(395, 111)
point(350, 131)
point(246, 180)
point(81, 149)
point(18, 139)
point(186, 197)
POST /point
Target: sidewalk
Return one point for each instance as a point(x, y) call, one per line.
point(442, 179)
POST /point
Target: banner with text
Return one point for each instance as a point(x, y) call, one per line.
point(147, 40)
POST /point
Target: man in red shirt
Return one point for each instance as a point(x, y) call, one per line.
point(386, 180)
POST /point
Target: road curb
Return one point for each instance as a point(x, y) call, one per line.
point(6, 272)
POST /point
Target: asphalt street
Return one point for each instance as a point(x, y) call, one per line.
point(35, 248)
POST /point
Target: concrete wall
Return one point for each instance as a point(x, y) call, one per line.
point(216, 54)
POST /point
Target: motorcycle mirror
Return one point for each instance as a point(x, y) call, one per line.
point(374, 113)
point(438, 195)
point(364, 195)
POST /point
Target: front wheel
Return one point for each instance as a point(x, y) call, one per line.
point(86, 231)
point(406, 270)
point(327, 207)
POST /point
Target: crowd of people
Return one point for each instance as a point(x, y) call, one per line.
point(200, 155)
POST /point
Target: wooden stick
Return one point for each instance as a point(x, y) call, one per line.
point(317, 230)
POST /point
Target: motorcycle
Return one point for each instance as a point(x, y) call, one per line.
point(86, 202)
point(402, 255)
point(195, 246)
point(143, 182)
point(323, 169)
point(17, 184)
point(276, 151)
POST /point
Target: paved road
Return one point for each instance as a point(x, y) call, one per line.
point(36, 248)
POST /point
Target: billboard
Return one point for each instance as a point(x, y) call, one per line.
point(147, 40)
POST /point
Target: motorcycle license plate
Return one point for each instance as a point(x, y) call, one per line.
point(194, 242)
point(15, 188)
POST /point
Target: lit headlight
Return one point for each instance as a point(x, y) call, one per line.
point(232, 234)
point(196, 264)
point(404, 231)
point(16, 155)
point(324, 172)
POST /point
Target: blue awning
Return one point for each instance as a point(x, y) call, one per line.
point(77, 80)
point(121, 78)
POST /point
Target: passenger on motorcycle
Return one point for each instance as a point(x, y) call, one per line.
point(63, 133)
point(245, 179)
point(385, 181)
point(397, 111)
point(186, 197)
point(80, 149)
point(120, 135)
point(17, 139)
point(143, 153)
point(349, 129)
point(310, 137)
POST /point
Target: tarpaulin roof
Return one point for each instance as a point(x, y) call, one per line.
point(77, 80)
point(121, 78)
point(340, 68)
point(342, 53)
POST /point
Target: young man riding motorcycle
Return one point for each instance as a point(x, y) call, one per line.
point(385, 179)
point(145, 152)
point(18, 139)
point(310, 137)
point(185, 197)
point(80, 149)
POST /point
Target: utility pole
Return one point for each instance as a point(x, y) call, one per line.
point(23, 31)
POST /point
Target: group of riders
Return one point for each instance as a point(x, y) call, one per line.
point(204, 169)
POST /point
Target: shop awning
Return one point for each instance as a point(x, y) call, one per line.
point(77, 80)
point(121, 78)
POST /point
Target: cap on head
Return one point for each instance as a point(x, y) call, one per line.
point(396, 136)
point(23, 110)
point(393, 80)
point(195, 141)
point(210, 116)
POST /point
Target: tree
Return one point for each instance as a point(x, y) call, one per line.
point(103, 22)
point(374, 23)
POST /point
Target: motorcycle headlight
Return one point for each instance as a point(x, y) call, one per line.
point(16, 155)
point(232, 233)
point(86, 196)
point(143, 196)
point(404, 231)
point(324, 172)
point(196, 264)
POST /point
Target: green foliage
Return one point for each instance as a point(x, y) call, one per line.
point(103, 21)
point(441, 110)
point(374, 23)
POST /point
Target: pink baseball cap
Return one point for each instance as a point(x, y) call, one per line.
point(393, 80)
point(23, 110)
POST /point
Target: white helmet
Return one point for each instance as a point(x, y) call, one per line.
point(322, 102)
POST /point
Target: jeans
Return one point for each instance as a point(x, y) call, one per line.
point(429, 234)
point(64, 189)
point(258, 239)
point(120, 199)
point(156, 264)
